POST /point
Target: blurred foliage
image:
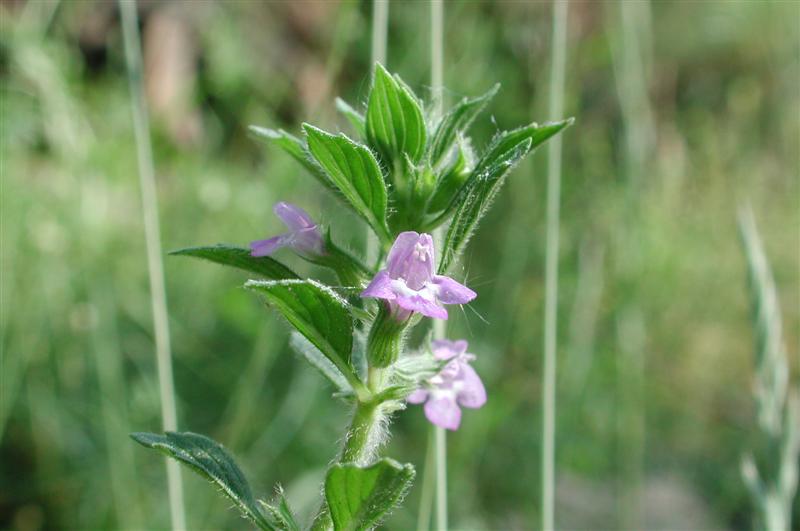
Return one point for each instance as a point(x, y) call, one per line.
point(655, 363)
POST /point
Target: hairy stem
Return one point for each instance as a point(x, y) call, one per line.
point(363, 436)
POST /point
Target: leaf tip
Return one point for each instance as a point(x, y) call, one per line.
point(379, 69)
point(144, 438)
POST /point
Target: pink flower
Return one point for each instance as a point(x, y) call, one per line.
point(456, 386)
point(409, 284)
point(303, 236)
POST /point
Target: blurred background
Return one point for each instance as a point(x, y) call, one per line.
point(685, 110)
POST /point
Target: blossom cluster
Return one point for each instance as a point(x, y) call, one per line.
point(407, 286)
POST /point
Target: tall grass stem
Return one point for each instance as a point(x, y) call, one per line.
point(439, 326)
point(556, 97)
point(428, 480)
point(158, 296)
point(380, 36)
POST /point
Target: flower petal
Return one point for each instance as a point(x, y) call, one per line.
point(411, 258)
point(308, 241)
point(444, 412)
point(293, 216)
point(472, 393)
point(416, 302)
point(444, 349)
point(269, 246)
point(417, 397)
point(451, 292)
point(380, 287)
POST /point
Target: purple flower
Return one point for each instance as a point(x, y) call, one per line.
point(456, 385)
point(409, 283)
point(303, 236)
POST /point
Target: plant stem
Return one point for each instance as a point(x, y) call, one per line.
point(439, 326)
point(361, 439)
point(133, 59)
point(557, 66)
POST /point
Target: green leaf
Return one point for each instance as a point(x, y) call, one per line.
point(355, 172)
point(239, 258)
point(355, 118)
point(209, 459)
point(359, 498)
point(498, 150)
point(395, 125)
point(508, 140)
point(457, 121)
point(319, 361)
point(318, 313)
point(297, 149)
point(481, 188)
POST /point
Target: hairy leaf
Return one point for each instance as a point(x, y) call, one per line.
point(239, 258)
point(508, 140)
point(355, 172)
point(318, 313)
point(359, 498)
point(479, 191)
point(457, 121)
point(395, 125)
point(209, 459)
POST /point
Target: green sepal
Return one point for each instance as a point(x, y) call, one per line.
point(209, 459)
point(385, 340)
point(407, 374)
point(360, 497)
point(239, 258)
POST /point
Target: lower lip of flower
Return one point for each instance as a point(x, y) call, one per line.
point(400, 287)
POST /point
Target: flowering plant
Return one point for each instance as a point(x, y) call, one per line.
point(426, 169)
